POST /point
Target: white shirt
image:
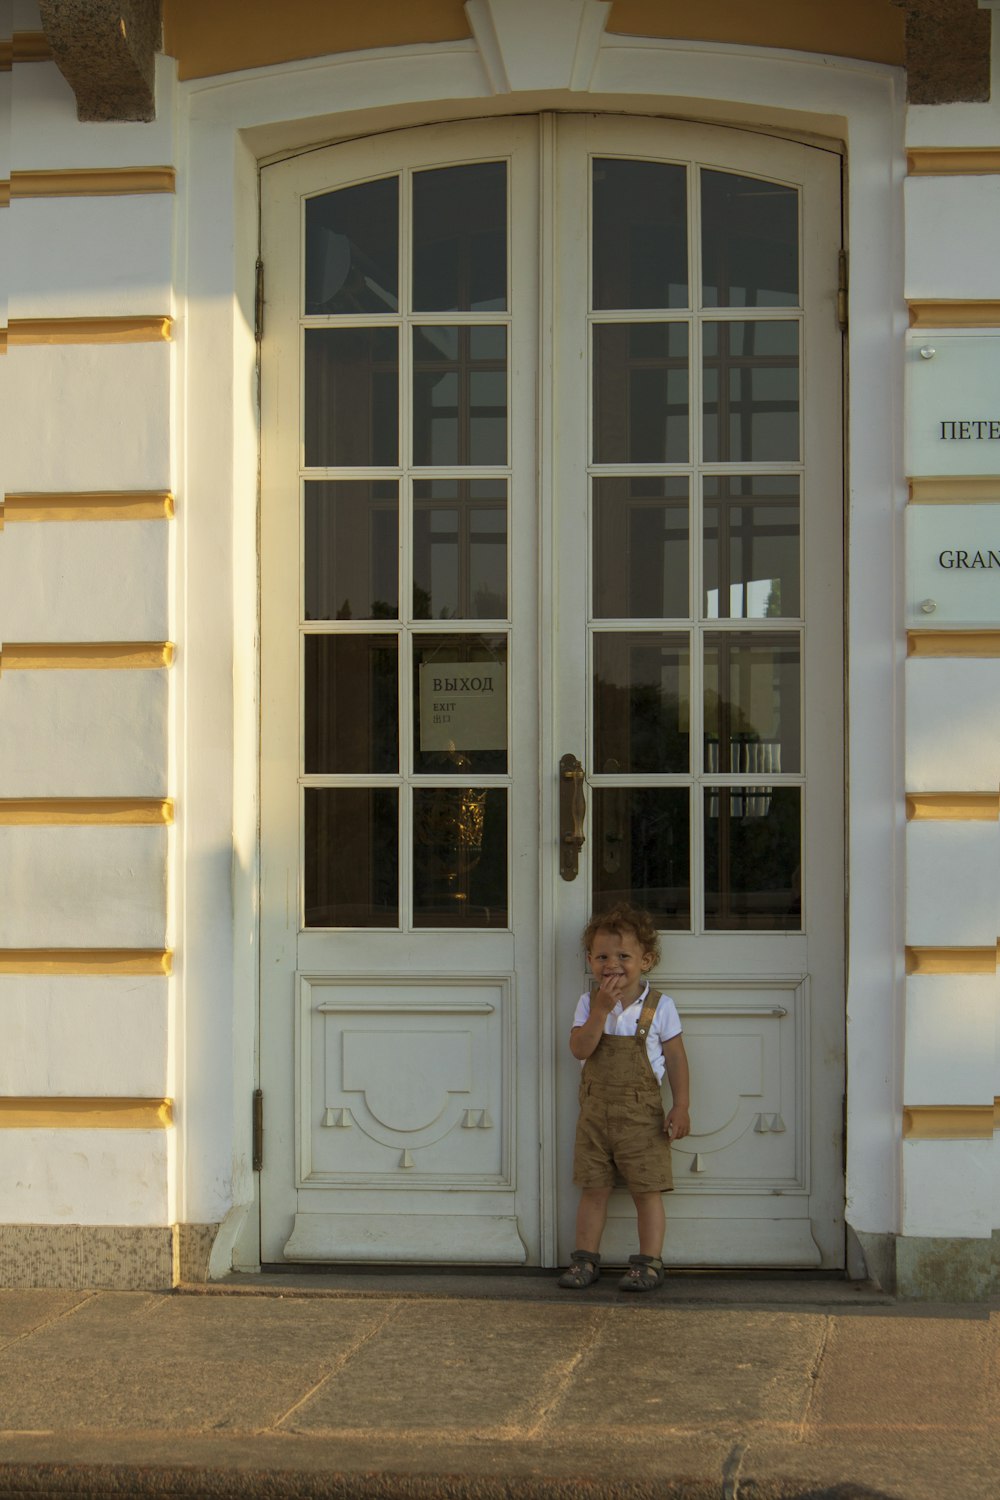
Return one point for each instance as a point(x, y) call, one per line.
point(624, 1022)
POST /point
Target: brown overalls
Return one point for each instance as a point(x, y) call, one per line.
point(620, 1128)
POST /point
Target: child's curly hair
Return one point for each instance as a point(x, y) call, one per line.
point(624, 918)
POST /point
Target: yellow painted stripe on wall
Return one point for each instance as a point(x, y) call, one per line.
point(970, 313)
point(996, 1114)
point(30, 46)
point(85, 656)
point(953, 642)
point(85, 1114)
point(92, 182)
point(4, 193)
point(3, 340)
point(114, 962)
point(137, 330)
point(955, 489)
point(948, 161)
point(947, 1122)
point(951, 960)
point(135, 812)
point(89, 505)
point(971, 807)
point(6, 55)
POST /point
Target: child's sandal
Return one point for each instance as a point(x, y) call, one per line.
point(584, 1269)
point(644, 1274)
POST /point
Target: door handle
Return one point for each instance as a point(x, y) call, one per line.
point(572, 808)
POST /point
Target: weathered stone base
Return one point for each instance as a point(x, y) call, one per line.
point(945, 1269)
point(948, 1270)
point(114, 1257)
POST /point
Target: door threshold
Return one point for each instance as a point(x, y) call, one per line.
point(753, 1286)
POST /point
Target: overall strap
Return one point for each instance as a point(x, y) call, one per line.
point(646, 1017)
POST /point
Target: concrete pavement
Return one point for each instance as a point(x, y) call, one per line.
point(711, 1388)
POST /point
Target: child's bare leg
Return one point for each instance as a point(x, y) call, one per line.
point(652, 1222)
point(591, 1216)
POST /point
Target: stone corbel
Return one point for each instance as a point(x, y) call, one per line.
point(106, 51)
point(947, 51)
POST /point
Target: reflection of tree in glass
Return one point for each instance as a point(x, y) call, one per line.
point(773, 606)
point(728, 735)
point(380, 610)
point(489, 605)
point(640, 727)
point(764, 856)
point(385, 707)
point(661, 854)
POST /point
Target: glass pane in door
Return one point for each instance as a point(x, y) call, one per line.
point(750, 392)
point(642, 851)
point(749, 241)
point(460, 856)
point(640, 234)
point(640, 547)
point(641, 386)
point(751, 546)
point(352, 249)
point(351, 408)
point(753, 858)
point(642, 700)
point(460, 238)
point(460, 549)
point(351, 549)
point(351, 874)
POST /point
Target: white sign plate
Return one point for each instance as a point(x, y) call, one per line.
point(952, 403)
point(463, 705)
point(953, 565)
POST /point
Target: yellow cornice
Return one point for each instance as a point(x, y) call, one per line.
point(136, 812)
point(4, 192)
point(211, 39)
point(124, 962)
point(972, 807)
point(6, 54)
point(951, 960)
point(85, 1114)
point(92, 182)
point(3, 340)
point(860, 28)
point(30, 46)
point(955, 643)
point(73, 656)
point(88, 505)
point(967, 313)
point(952, 161)
point(131, 330)
point(948, 1122)
point(955, 489)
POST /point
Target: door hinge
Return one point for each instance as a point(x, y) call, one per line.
point(842, 290)
point(258, 304)
point(258, 1129)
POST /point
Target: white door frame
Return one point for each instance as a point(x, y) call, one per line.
point(223, 128)
point(560, 472)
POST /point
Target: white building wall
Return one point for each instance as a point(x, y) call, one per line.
point(86, 1029)
point(949, 1153)
point(178, 416)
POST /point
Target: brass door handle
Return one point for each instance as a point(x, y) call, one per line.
point(572, 808)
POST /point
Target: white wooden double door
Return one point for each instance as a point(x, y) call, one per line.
point(551, 466)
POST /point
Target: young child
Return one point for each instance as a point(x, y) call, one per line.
point(627, 1036)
